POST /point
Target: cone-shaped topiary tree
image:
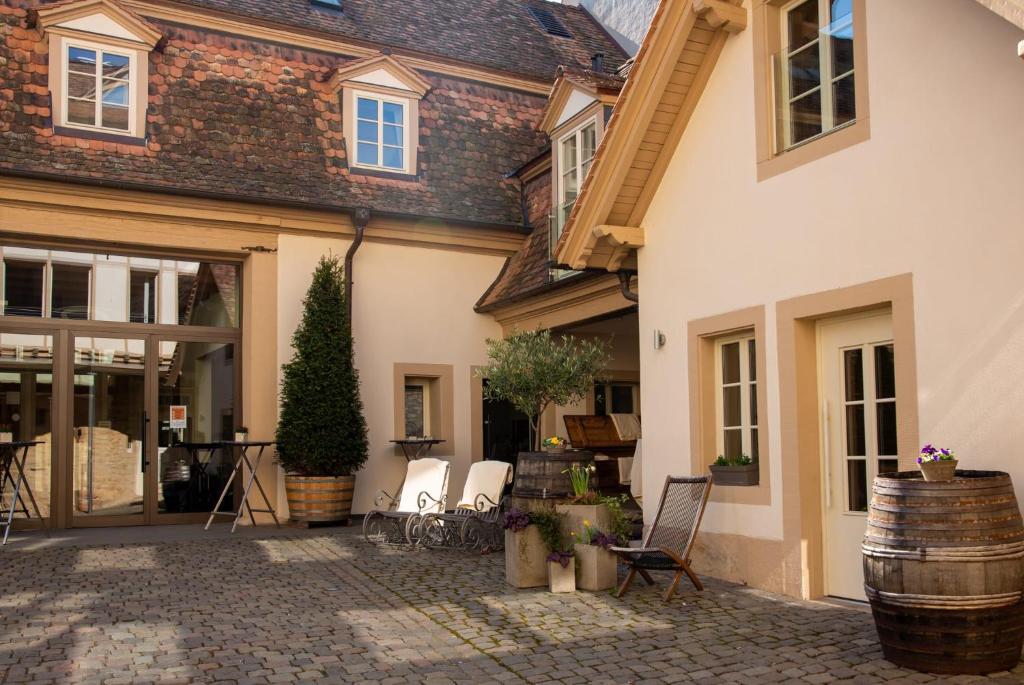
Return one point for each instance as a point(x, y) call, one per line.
point(322, 431)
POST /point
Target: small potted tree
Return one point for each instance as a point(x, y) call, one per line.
point(321, 433)
point(532, 370)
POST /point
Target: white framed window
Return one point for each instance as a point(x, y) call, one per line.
point(382, 132)
point(100, 84)
point(736, 417)
point(575, 154)
point(617, 397)
point(815, 86)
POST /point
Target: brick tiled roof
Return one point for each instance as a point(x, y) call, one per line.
point(256, 121)
point(498, 34)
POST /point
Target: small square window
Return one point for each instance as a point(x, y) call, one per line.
point(69, 291)
point(23, 288)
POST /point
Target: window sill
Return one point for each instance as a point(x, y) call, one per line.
point(86, 134)
point(381, 173)
point(820, 146)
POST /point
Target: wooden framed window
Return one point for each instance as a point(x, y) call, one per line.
point(815, 82)
point(576, 152)
point(382, 126)
point(736, 415)
point(99, 87)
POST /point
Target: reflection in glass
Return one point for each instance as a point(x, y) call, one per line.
point(733, 443)
point(857, 485)
point(731, 363)
point(731, 415)
point(199, 376)
point(111, 287)
point(26, 404)
point(855, 441)
point(69, 296)
point(853, 374)
point(886, 418)
point(885, 372)
point(108, 427)
point(23, 288)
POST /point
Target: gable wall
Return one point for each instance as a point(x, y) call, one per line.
point(934, 192)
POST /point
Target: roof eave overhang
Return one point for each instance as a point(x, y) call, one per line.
point(590, 240)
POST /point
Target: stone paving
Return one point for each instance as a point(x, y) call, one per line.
point(324, 606)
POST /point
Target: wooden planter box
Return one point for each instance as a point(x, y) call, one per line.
point(525, 558)
point(562, 578)
point(735, 475)
point(598, 568)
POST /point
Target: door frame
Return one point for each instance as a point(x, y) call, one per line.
point(63, 332)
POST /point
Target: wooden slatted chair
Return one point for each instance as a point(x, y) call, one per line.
point(668, 544)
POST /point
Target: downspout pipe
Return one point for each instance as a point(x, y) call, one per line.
point(360, 218)
point(624, 278)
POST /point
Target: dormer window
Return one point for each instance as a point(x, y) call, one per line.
point(99, 63)
point(576, 152)
point(99, 87)
point(380, 99)
point(381, 129)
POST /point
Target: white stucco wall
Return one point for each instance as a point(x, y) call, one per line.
point(938, 191)
point(412, 305)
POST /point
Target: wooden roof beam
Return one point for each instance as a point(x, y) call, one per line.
point(721, 14)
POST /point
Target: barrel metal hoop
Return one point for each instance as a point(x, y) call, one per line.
point(941, 602)
point(987, 553)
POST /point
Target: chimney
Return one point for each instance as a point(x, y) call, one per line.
point(597, 62)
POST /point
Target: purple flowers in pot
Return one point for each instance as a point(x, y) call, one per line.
point(516, 520)
point(931, 453)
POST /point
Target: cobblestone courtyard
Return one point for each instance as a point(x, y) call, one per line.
point(324, 606)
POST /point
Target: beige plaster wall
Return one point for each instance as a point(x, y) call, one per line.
point(412, 305)
point(935, 192)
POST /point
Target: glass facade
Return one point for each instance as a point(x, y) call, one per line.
point(120, 288)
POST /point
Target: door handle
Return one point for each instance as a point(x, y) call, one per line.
point(145, 431)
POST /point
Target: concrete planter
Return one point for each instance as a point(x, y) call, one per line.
point(598, 569)
point(562, 578)
point(938, 471)
point(525, 558)
point(575, 514)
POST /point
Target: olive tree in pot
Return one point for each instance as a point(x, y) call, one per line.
point(321, 434)
point(532, 370)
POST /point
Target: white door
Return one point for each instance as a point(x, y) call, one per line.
point(858, 391)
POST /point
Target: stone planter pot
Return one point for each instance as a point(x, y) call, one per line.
point(562, 578)
point(319, 498)
point(575, 514)
point(598, 568)
point(525, 558)
point(938, 471)
point(735, 475)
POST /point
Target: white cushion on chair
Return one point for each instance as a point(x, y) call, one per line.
point(487, 478)
point(427, 475)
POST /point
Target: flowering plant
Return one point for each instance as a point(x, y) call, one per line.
point(931, 453)
point(592, 536)
point(563, 557)
point(579, 476)
point(553, 441)
point(516, 520)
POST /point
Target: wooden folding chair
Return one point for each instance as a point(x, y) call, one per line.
point(668, 544)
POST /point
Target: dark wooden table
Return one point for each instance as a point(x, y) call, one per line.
point(416, 448)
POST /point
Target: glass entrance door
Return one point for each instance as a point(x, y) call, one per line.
point(110, 431)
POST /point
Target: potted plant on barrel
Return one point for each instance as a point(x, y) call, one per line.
point(937, 463)
point(321, 433)
point(532, 370)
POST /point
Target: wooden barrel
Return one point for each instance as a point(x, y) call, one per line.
point(539, 474)
point(319, 498)
point(944, 571)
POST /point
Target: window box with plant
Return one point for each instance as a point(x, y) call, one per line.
point(741, 470)
point(321, 433)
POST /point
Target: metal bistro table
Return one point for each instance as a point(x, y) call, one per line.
point(243, 458)
point(9, 461)
point(416, 449)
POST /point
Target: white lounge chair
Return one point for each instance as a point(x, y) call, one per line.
point(475, 522)
point(395, 519)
